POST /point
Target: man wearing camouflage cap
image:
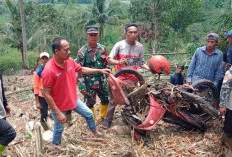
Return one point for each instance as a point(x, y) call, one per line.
point(93, 55)
point(206, 62)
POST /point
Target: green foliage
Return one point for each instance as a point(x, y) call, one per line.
point(2, 8)
point(191, 48)
point(141, 10)
point(183, 14)
point(11, 59)
point(113, 35)
point(171, 42)
point(224, 21)
point(195, 32)
point(170, 25)
point(3, 19)
point(119, 8)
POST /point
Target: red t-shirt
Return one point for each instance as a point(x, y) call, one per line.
point(63, 83)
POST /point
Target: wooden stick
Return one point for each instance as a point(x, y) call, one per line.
point(39, 141)
point(19, 91)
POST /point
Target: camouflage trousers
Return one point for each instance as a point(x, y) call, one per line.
point(102, 93)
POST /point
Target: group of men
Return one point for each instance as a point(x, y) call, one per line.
point(57, 80)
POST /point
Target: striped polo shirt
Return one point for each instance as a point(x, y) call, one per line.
point(205, 66)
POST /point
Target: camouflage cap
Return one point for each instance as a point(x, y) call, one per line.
point(92, 29)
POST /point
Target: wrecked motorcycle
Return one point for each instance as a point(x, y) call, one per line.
point(146, 104)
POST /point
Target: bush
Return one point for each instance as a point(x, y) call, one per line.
point(11, 60)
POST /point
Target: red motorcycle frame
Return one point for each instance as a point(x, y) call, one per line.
point(156, 109)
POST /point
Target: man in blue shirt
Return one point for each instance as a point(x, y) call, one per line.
point(177, 78)
point(227, 57)
point(206, 62)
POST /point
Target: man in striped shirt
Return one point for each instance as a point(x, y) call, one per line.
point(206, 62)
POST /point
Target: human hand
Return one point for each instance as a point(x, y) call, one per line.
point(83, 92)
point(227, 66)
point(122, 61)
point(222, 111)
point(105, 71)
point(38, 105)
point(189, 85)
point(8, 109)
point(61, 118)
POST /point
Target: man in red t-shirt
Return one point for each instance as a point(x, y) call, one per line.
point(59, 81)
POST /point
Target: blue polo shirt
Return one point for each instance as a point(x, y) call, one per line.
point(205, 66)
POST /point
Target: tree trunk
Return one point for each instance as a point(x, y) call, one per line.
point(155, 24)
point(24, 61)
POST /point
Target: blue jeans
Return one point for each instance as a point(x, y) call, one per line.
point(83, 110)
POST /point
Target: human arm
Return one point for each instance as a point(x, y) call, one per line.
point(191, 68)
point(47, 95)
point(144, 66)
point(225, 91)
point(3, 92)
point(5, 104)
point(122, 61)
point(86, 70)
point(36, 90)
point(219, 70)
point(113, 55)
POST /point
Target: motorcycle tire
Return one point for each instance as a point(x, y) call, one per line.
point(125, 71)
point(203, 84)
point(127, 113)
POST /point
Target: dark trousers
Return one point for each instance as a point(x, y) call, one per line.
point(228, 123)
point(44, 109)
point(7, 132)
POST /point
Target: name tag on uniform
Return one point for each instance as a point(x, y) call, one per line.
point(135, 61)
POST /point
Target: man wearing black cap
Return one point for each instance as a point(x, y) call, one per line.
point(93, 55)
point(206, 62)
point(226, 96)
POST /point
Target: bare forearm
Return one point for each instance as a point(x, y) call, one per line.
point(51, 103)
point(36, 98)
point(144, 66)
point(86, 70)
point(113, 61)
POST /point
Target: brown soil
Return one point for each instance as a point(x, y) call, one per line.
point(77, 140)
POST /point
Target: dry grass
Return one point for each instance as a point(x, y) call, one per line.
point(165, 139)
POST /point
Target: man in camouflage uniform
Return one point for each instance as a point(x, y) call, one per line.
point(226, 101)
point(93, 55)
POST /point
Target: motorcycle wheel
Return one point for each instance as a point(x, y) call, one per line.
point(124, 72)
point(208, 91)
point(136, 101)
point(206, 88)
